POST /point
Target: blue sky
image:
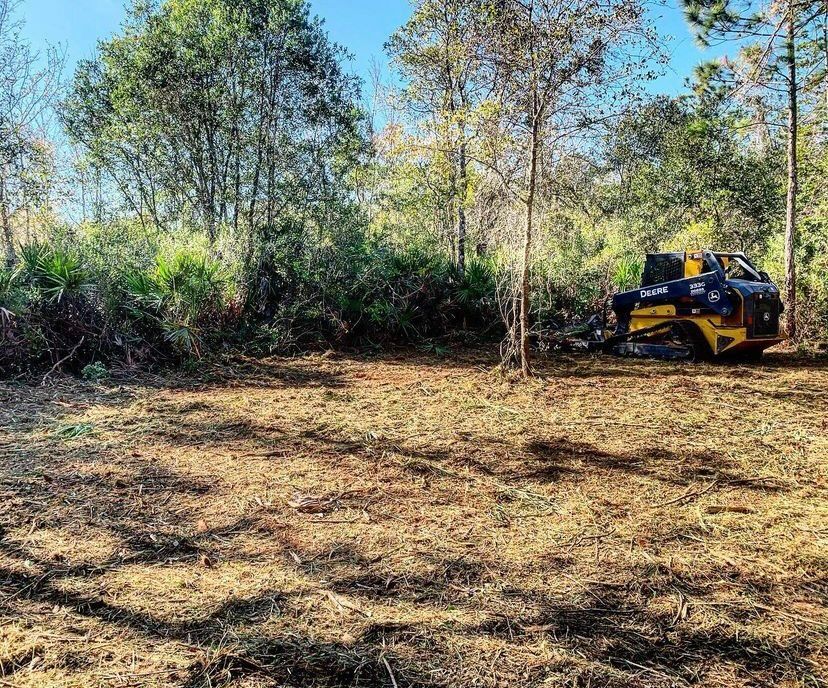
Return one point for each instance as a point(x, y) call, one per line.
point(362, 26)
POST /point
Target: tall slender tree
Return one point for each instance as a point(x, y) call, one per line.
point(560, 68)
point(436, 53)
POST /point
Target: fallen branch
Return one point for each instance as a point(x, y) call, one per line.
point(62, 361)
point(340, 603)
point(789, 615)
point(728, 509)
point(390, 673)
point(687, 495)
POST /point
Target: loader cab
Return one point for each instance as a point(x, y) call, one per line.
point(737, 267)
point(667, 267)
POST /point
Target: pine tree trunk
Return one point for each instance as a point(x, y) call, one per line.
point(525, 353)
point(825, 57)
point(790, 215)
point(461, 210)
point(5, 220)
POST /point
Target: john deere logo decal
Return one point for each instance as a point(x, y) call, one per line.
point(658, 291)
point(714, 296)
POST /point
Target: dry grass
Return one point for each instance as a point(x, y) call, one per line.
point(416, 521)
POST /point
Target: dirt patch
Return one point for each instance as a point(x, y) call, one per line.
point(413, 521)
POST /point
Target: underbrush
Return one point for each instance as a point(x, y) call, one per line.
point(79, 301)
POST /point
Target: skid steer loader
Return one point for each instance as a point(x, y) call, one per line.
point(694, 305)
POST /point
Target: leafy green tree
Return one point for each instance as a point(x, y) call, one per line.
point(218, 113)
point(683, 160)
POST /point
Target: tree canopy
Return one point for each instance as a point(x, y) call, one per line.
point(218, 112)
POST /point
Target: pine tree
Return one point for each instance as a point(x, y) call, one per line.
point(771, 39)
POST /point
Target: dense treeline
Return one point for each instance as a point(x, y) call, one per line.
point(228, 190)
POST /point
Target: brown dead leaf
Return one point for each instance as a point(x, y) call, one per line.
point(202, 526)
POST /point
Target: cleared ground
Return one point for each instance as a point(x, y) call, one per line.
point(408, 520)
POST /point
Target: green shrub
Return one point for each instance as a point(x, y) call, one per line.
point(95, 372)
point(628, 271)
point(54, 272)
point(50, 310)
point(183, 299)
point(120, 295)
point(475, 291)
point(11, 295)
point(6, 284)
